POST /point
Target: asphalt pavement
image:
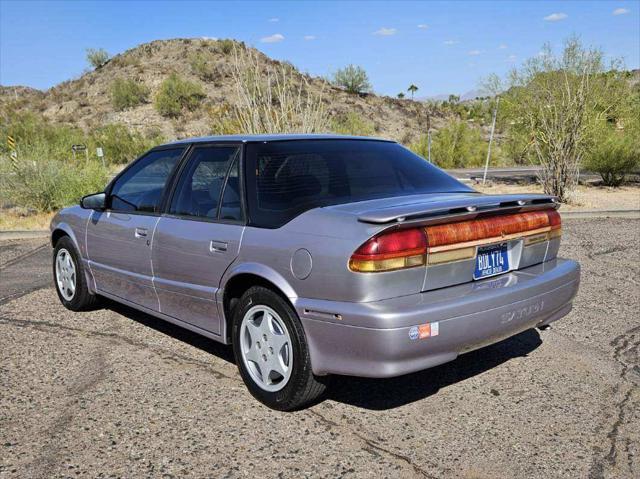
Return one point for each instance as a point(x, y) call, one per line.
point(516, 174)
point(116, 393)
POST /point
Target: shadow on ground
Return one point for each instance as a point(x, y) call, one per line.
point(197, 341)
point(381, 394)
point(375, 394)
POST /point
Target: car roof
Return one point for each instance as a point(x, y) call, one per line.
point(266, 138)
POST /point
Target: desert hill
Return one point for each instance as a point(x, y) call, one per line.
point(86, 101)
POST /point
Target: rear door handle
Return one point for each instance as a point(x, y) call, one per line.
point(217, 246)
point(141, 233)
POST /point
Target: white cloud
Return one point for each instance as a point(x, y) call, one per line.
point(309, 37)
point(385, 32)
point(556, 17)
point(451, 42)
point(503, 46)
point(274, 20)
point(423, 26)
point(213, 39)
point(512, 58)
point(620, 11)
point(275, 38)
point(474, 53)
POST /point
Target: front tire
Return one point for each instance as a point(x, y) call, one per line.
point(271, 351)
point(69, 277)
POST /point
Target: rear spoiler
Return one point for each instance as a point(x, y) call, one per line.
point(461, 208)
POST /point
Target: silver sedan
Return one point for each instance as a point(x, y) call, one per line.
point(315, 255)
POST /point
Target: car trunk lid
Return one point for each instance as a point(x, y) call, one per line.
point(469, 237)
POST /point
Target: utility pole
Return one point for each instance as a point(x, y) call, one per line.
point(429, 135)
point(493, 129)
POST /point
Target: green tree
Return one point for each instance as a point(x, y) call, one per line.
point(97, 58)
point(352, 78)
point(457, 145)
point(412, 89)
point(554, 100)
point(401, 95)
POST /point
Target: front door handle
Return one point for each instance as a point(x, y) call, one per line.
point(141, 233)
point(217, 246)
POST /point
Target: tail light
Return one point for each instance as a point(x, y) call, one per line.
point(452, 242)
point(458, 241)
point(556, 224)
point(391, 251)
point(486, 230)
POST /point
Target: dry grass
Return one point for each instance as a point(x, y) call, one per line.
point(583, 198)
point(14, 220)
point(274, 98)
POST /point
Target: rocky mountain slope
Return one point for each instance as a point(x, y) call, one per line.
point(86, 101)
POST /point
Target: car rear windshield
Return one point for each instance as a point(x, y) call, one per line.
point(287, 178)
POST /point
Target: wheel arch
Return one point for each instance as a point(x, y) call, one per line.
point(63, 229)
point(243, 278)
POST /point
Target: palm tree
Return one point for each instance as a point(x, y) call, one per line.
point(412, 89)
point(401, 95)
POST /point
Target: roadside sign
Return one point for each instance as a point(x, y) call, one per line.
point(13, 153)
point(80, 147)
point(100, 154)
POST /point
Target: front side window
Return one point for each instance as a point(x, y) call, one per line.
point(140, 188)
point(204, 189)
point(287, 178)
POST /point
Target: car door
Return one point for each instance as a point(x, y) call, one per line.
point(119, 238)
point(199, 236)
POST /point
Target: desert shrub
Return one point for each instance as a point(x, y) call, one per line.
point(47, 185)
point(126, 60)
point(127, 93)
point(32, 132)
point(273, 98)
point(177, 94)
point(120, 144)
point(226, 46)
point(38, 138)
point(223, 121)
point(352, 124)
point(203, 65)
point(613, 155)
point(352, 78)
point(457, 145)
point(97, 58)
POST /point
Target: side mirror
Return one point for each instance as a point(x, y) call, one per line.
point(96, 201)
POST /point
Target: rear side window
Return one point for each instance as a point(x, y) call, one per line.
point(140, 187)
point(286, 178)
point(204, 189)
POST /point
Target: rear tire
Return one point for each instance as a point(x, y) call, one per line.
point(273, 359)
point(69, 277)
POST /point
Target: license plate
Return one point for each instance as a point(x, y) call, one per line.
point(491, 260)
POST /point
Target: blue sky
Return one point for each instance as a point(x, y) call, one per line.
point(443, 47)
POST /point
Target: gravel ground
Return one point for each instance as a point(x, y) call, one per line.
point(115, 393)
point(15, 249)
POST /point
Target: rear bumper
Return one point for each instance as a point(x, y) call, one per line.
point(378, 339)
